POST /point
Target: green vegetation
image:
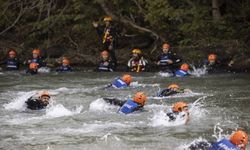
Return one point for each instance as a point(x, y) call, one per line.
point(201, 26)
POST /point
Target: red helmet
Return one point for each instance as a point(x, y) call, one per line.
point(127, 78)
point(65, 61)
point(104, 53)
point(12, 52)
point(212, 57)
point(165, 46)
point(173, 86)
point(239, 137)
point(140, 98)
point(33, 66)
point(185, 67)
point(178, 107)
point(36, 51)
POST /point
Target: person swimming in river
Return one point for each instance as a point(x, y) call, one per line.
point(65, 67)
point(172, 89)
point(183, 71)
point(38, 101)
point(179, 109)
point(130, 105)
point(33, 69)
point(121, 82)
point(237, 141)
point(12, 62)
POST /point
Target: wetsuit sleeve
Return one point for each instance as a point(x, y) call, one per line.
point(167, 92)
point(114, 101)
point(140, 107)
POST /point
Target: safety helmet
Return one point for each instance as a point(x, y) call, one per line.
point(212, 57)
point(178, 107)
point(140, 98)
point(127, 78)
point(12, 52)
point(44, 93)
point(104, 53)
point(239, 137)
point(107, 18)
point(165, 46)
point(136, 51)
point(185, 67)
point(173, 86)
point(33, 66)
point(65, 61)
point(36, 51)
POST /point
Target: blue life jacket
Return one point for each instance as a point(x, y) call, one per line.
point(128, 107)
point(224, 144)
point(12, 64)
point(181, 73)
point(164, 58)
point(64, 69)
point(118, 83)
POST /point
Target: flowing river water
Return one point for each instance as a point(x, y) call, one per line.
point(78, 118)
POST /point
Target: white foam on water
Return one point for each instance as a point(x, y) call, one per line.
point(165, 74)
point(180, 95)
point(19, 102)
point(196, 112)
point(52, 111)
point(100, 105)
point(44, 70)
point(198, 72)
point(137, 84)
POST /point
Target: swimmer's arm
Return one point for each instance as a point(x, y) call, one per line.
point(114, 101)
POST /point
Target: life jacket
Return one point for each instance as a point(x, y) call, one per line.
point(129, 107)
point(119, 83)
point(105, 67)
point(224, 144)
point(12, 64)
point(64, 69)
point(137, 65)
point(35, 104)
point(181, 73)
point(164, 58)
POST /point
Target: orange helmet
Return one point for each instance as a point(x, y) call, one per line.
point(173, 86)
point(44, 93)
point(140, 98)
point(12, 52)
point(185, 67)
point(239, 137)
point(107, 18)
point(33, 66)
point(127, 78)
point(36, 51)
point(165, 46)
point(178, 107)
point(65, 61)
point(212, 57)
point(136, 51)
point(104, 53)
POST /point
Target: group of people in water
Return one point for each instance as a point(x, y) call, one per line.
point(237, 141)
point(166, 61)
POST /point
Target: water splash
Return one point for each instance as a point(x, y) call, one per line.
point(180, 95)
point(198, 72)
point(44, 70)
point(137, 84)
point(165, 74)
point(197, 144)
point(100, 105)
point(59, 110)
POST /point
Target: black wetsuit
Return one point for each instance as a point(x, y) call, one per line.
point(35, 104)
point(167, 92)
point(120, 103)
point(164, 66)
point(31, 72)
point(202, 145)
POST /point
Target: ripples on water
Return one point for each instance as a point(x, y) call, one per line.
point(78, 118)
